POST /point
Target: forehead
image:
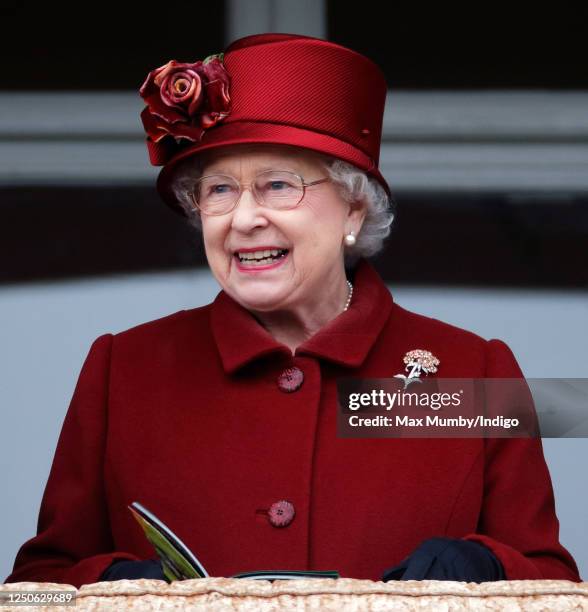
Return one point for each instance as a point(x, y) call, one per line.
point(258, 157)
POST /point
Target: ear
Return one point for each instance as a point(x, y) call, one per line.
point(356, 215)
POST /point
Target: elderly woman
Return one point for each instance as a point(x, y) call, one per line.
point(222, 420)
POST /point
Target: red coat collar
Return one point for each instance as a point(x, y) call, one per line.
point(346, 340)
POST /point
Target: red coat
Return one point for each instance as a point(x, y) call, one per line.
point(184, 415)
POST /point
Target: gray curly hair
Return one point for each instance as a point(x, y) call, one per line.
point(353, 184)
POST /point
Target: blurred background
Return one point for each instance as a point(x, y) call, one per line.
point(485, 146)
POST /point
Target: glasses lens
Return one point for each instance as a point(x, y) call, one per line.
point(216, 194)
point(279, 189)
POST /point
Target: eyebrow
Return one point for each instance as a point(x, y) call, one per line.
point(289, 165)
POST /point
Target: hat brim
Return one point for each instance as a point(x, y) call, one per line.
point(244, 132)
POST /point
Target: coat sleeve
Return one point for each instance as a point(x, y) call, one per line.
point(518, 520)
point(74, 544)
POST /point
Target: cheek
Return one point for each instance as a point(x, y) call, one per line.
point(317, 243)
point(213, 236)
point(325, 225)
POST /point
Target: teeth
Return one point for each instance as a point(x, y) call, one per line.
point(260, 255)
point(259, 262)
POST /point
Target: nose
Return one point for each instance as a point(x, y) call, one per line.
point(248, 213)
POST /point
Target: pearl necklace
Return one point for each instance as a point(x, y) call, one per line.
point(349, 296)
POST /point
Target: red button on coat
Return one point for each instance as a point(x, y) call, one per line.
point(290, 379)
point(281, 513)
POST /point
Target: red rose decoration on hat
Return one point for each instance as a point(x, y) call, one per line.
point(183, 100)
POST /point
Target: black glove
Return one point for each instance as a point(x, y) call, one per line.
point(448, 559)
point(132, 570)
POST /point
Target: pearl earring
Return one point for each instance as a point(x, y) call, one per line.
point(350, 239)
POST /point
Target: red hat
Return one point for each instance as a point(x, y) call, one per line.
point(266, 88)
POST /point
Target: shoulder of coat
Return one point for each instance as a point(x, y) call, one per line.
point(423, 327)
point(169, 325)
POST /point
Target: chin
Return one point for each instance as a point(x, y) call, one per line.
point(258, 302)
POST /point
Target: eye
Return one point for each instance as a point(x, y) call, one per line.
point(218, 189)
point(278, 185)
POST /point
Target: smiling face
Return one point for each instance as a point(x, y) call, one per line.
point(312, 233)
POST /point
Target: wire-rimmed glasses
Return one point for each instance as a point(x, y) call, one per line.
point(218, 194)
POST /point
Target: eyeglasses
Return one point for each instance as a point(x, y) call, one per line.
point(218, 194)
